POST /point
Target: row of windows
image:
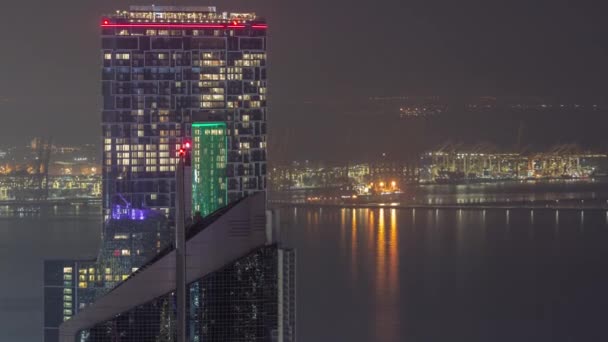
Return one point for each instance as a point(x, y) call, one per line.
point(162, 168)
point(181, 55)
point(166, 79)
point(85, 284)
point(186, 102)
point(168, 94)
point(164, 148)
point(121, 146)
point(161, 61)
point(143, 154)
point(208, 59)
point(125, 122)
point(147, 161)
point(186, 43)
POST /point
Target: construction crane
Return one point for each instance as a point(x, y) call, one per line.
point(43, 147)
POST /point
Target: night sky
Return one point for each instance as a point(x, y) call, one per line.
point(319, 50)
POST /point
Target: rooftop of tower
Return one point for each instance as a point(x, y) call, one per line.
point(178, 14)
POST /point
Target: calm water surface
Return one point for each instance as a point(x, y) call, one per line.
point(380, 274)
point(61, 232)
point(449, 275)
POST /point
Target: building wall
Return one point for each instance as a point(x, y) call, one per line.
point(239, 302)
point(287, 295)
point(62, 295)
point(156, 82)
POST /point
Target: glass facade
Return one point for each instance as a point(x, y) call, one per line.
point(164, 68)
point(238, 303)
point(209, 155)
point(132, 237)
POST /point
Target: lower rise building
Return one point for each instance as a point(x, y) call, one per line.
point(132, 237)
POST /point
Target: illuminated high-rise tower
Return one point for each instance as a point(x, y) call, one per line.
point(164, 70)
point(165, 67)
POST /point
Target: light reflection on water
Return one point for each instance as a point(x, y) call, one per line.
point(448, 275)
point(353, 245)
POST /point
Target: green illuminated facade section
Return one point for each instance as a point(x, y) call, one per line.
point(209, 161)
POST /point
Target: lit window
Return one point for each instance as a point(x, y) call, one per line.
point(67, 270)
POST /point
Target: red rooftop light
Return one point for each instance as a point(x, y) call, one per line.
point(107, 24)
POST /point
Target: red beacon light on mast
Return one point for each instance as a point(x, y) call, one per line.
point(184, 152)
point(105, 22)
